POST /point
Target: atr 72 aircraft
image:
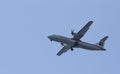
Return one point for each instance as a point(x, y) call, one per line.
point(75, 42)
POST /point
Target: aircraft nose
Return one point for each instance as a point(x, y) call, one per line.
point(50, 37)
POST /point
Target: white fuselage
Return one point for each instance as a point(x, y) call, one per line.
point(78, 44)
point(89, 46)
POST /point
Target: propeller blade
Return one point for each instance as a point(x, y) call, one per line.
point(72, 49)
point(72, 32)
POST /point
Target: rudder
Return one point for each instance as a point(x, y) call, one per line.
point(102, 41)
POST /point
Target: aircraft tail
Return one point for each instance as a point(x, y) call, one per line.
point(102, 41)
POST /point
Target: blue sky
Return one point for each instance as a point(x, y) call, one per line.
point(25, 25)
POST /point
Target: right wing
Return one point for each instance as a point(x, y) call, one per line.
point(82, 32)
point(63, 50)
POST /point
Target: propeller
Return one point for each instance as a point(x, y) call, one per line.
point(72, 49)
point(72, 32)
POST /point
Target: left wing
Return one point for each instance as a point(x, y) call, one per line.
point(63, 50)
point(82, 32)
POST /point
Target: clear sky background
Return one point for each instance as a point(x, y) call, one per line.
point(25, 25)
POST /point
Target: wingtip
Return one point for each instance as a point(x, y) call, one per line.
point(107, 36)
point(58, 54)
point(91, 22)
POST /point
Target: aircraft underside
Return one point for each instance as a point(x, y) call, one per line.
point(75, 42)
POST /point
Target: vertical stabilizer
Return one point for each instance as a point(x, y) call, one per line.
point(102, 41)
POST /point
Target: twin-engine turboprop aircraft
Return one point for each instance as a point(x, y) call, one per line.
point(75, 42)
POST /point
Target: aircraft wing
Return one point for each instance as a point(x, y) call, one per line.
point(82, 32)
point(63, 50)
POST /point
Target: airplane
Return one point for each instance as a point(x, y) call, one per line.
point(76, 42)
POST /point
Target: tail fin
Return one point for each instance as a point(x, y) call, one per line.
point(102, 41)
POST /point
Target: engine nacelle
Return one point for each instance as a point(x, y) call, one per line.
point(63, 44)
